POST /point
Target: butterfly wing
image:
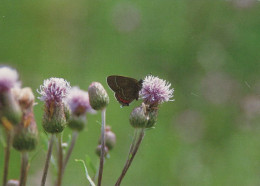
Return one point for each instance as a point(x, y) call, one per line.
point(126, 89)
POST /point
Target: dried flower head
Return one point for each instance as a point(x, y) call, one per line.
point(54, 90)
point(155, 90)
point(78, 101)
point(24, 97)
point(8, 78)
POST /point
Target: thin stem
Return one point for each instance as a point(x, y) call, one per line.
point(60, 159)
point(72, 144)
point(102, 155)
point(47, 162)
point(24, 168)
point(7, 156)
point(133, 150)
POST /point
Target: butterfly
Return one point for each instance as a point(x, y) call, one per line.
point(126, 89)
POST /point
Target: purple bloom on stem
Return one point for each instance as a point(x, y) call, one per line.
point(156, 91)
point(54, 90)
point(8, 78)
point(78, 101)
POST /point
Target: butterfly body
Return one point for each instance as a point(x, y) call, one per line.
point(126, 89)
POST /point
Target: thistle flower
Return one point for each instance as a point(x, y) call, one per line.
point(9, 109)
point(98, 96)
point(13, 183)
point(155, 91)
point(8, 79)
point(26, 133)
point(53, 92)
point(78, 102)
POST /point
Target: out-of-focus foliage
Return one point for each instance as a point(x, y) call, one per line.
point(208, 50)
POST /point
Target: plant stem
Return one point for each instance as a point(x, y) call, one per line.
point(47, 162)
point(60, 159)
point(133, 150)
point(102, 155)
point(7, 156)
point(24, 166)
point(72, 144)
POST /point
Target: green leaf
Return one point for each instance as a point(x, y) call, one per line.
point(86, 172)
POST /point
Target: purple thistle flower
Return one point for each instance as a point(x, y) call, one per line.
point(78, 101)
point(54, 90)
point(155, 90)
point(8, 79)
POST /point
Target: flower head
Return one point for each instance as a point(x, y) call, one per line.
point(98, 96)
point(155, 90)
point(78, 101)
point(8, 78)
point(54, 90)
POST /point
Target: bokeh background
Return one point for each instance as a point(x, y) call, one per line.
point(208, 50)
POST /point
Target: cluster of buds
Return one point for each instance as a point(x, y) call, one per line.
point(16, 110)
point(78, 104)
point(154, 92)
point(110, 141)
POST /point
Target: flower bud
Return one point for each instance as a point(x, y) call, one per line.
point(110, 138)
point(26, 134)
point(54, 120)
point(13, 183)
point(152, 118)
point(138, 118)
point(9, 108)
point(98, 96)
point(98, 150)
point(77, 122)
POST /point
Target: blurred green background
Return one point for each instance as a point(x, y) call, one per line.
point(208, 50)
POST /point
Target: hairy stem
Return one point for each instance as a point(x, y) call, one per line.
point(133, 150)
point(24, 168)
point(7, 156)
point(102, 155)
point(47, 162)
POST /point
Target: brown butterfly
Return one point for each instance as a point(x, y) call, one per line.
point(126, 89)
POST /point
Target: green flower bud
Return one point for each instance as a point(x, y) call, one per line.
point(138, 118)
point(9, 108)
point(77, 122)
point(98, 96)
point(54, 120)
point(152, 118)
point(98, 150)
point(110, 138)
point(26, 134)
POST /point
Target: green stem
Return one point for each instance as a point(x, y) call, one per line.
point(133, 150)
point(102, 155)
point(47, 162)
point(7, 156)
point(72, 144)
point(60, 159)
point(24, 168)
